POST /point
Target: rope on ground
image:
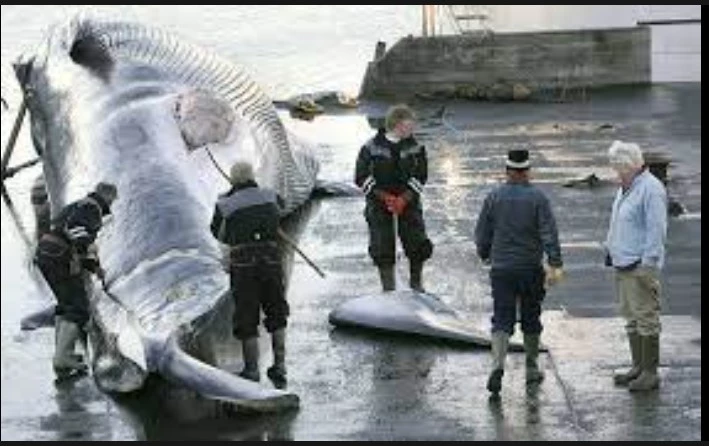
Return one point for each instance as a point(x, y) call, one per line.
point(567, 395)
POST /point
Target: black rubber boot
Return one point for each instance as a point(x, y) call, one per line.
point(533, 373)
point(415, 273)
point(386, 274)
point(251, 355)
point(500, 340)
point(277, 372)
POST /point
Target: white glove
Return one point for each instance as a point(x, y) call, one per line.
point(553, 275)
point(486, 263)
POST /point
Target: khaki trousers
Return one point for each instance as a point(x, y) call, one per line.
point(639, 292)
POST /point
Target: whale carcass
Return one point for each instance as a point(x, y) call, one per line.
point(125, 103)
point(412, 312)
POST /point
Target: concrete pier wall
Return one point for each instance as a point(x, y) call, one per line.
point(511, 65)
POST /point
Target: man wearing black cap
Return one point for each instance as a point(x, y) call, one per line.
point(516, 226)
point(63, 253)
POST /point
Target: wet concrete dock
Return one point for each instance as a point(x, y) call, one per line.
point(360, 385)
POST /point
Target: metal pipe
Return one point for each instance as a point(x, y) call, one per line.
point(7, 173)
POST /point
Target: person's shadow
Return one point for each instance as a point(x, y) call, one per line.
point(508, 424)
point(400, 381)
point(74, 419)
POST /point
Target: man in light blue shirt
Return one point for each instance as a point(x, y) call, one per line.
point(635, 247)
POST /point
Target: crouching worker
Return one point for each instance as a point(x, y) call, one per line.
point(63, 254)
point(246, 218)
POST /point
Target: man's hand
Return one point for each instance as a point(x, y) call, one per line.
point(395, 204)
point(100, 273)
point(391, 202)
point(385, 197)
point(553, 275)
point(90, 263)
point(398, 205)
point(400, 202)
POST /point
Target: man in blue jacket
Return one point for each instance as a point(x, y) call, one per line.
point(515, 228)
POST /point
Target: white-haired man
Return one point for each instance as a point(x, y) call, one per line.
point(246, 218)
point(635, 247)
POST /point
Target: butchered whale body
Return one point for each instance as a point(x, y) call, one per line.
point(125, 103)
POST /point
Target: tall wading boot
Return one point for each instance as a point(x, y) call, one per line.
point(648, 378)
point(415, 272)
point(277, 372)
point(623, 379)
point(533, 373)
point(386, 274)
point(251, 355)
point(83, 342)
point(66, 364)
point(500, 340)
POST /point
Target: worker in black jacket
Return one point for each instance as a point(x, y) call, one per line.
point(63, 254)
point(391, 170)
point(246, 218)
